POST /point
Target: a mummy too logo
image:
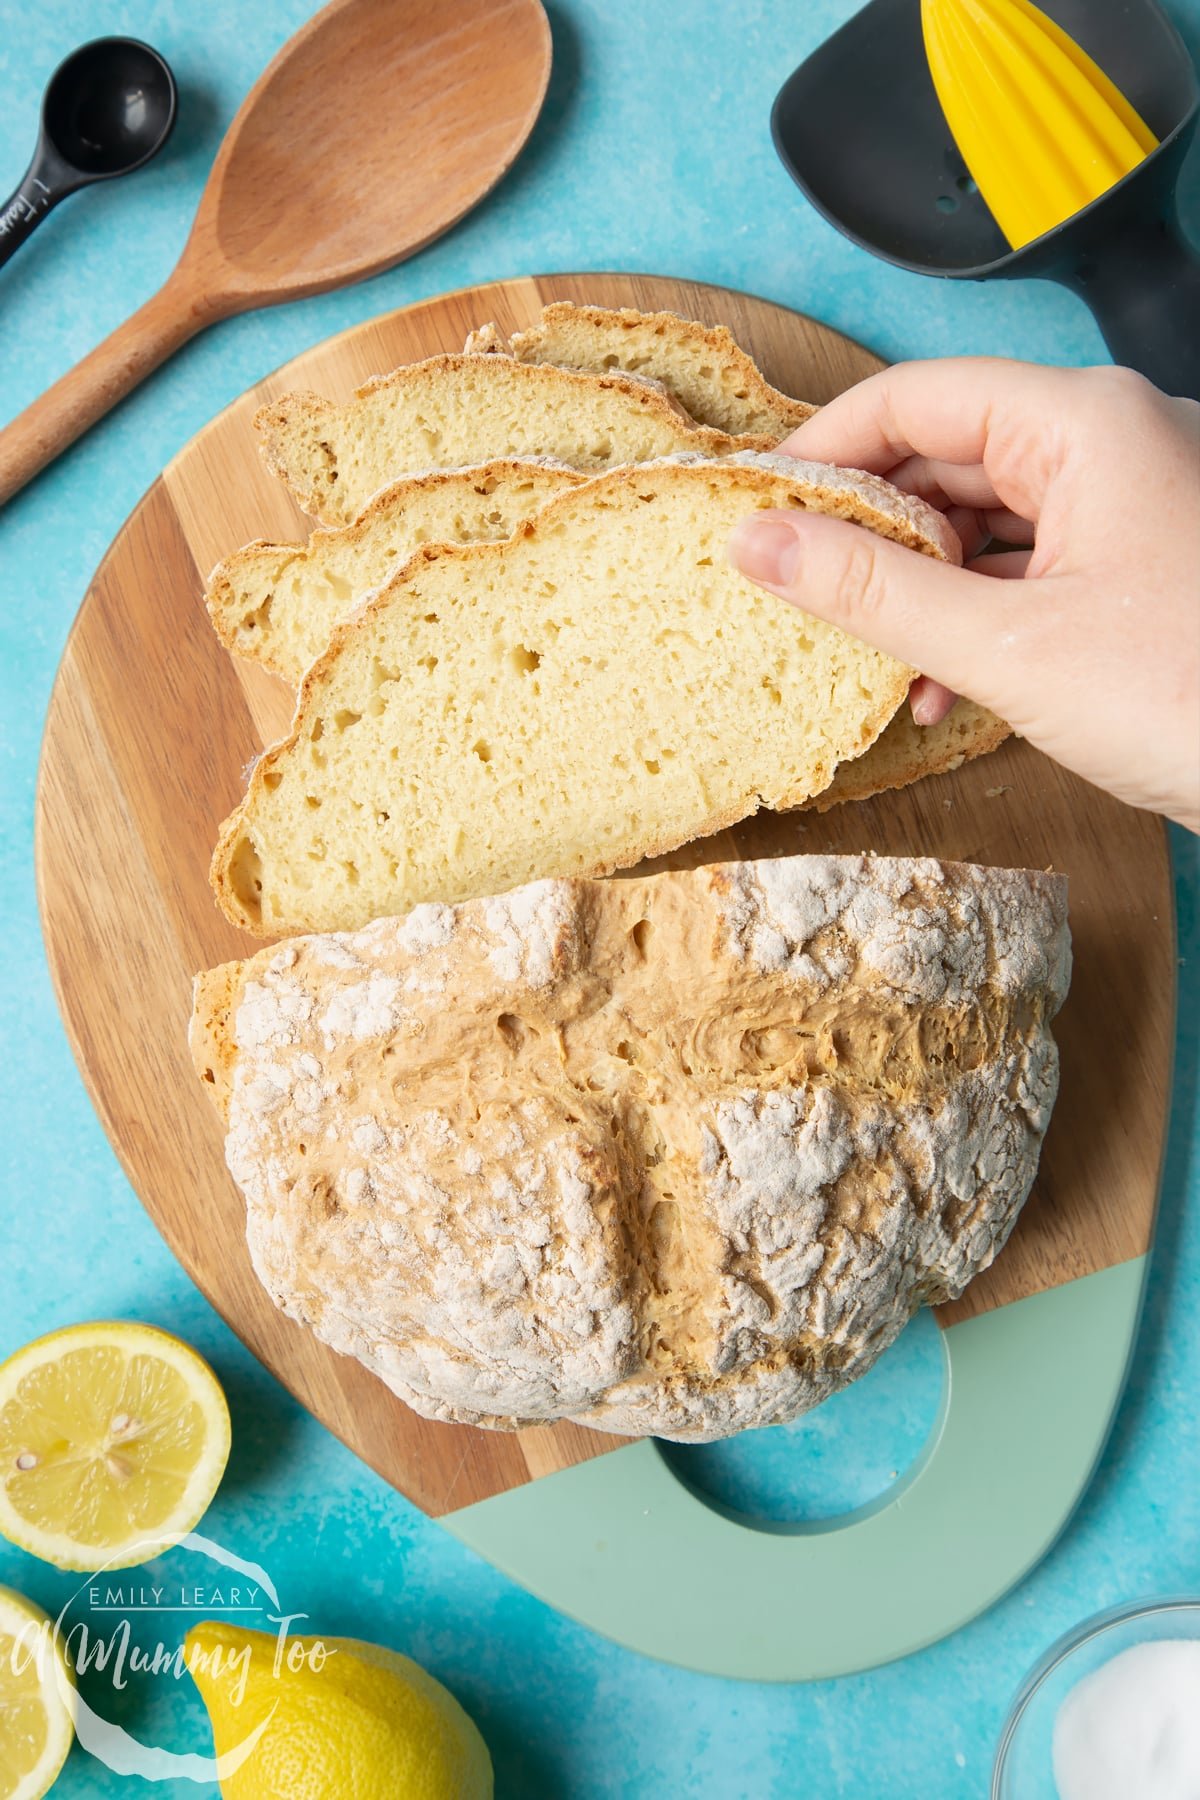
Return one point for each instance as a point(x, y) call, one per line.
point(123, 1635)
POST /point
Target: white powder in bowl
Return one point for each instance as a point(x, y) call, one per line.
point(1132, 1727)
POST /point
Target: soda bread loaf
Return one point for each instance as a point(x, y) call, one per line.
point(699, 365)
point(454, 411)
point(601, 687)
point(277, 604)
point(676, 1154)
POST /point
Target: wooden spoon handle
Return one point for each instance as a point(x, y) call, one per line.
point(89, 390)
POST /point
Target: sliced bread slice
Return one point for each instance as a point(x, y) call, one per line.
point(701, 366)
point(453, 411)
point(601, 687)
point(277, 604)
point(907, 752)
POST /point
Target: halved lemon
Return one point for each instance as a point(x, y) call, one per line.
point(36, 1700)
point(113, 1441)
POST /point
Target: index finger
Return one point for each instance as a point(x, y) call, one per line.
point(983, 410)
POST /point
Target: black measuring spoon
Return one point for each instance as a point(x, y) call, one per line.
point(859, 128)
point(108, 108)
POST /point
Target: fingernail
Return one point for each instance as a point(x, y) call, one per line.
point(766, 550)
point(929, 701)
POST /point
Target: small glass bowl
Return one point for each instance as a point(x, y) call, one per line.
point(1024, 1769)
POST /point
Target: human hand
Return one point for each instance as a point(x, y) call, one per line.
point(1087, 640)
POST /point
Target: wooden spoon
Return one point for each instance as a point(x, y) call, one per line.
point(373, 131)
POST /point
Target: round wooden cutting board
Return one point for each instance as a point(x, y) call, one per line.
point(151, 726)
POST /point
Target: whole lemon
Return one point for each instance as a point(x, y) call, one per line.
point(331, 1719)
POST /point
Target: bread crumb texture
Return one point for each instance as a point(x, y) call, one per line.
point(277, 604)
point(599, 688)
point(678, 1154)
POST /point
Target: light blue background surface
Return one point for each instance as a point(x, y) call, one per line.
point(653, 154)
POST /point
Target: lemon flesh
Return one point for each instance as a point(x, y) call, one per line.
point(35, 1700)
point(113, 1439)
point(352, 1719)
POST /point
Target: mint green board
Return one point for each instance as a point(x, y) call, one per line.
point(621, 1544)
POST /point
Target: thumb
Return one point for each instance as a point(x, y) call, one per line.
point(941, 619)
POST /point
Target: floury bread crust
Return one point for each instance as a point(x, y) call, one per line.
point(700, 366)
point(676, 1154)
point(277, 604)
point(600, 688)
point(454, 411)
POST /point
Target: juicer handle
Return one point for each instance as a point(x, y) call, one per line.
point(1144, 291)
